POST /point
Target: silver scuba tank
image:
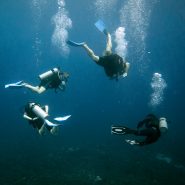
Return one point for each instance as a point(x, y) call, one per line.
point(39, 112)
point(48, 74)
point(163, 126)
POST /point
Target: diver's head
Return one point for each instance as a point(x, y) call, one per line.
point(64, 75)
point(163, 125)
point(29, 106)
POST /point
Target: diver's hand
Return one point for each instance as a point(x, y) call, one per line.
point(63, 83)
point(34, 118)
point(132, 142)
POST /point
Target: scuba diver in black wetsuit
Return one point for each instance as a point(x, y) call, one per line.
point(34, 113)
point(113, 64)
point(52, 79)
point(151, 127)
point(38, 117)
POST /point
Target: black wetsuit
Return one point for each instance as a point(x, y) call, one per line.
point(51, 82)
point(150, 130)
point(113, 65)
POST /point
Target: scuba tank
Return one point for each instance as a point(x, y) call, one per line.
point(48, 74)
point(38, 111)
point(163, 126)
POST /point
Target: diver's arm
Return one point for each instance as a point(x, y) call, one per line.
point(126, 69)
point(26, 117)
point(46, 109)
point(29, 118)
point(108, 49)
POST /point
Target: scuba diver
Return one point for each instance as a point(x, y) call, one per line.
point(52, 79)
point(38, 118)
point(151, 127)
point(114, 65)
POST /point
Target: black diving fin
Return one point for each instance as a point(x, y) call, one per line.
point(119, 130)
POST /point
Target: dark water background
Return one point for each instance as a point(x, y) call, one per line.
point(84, 148)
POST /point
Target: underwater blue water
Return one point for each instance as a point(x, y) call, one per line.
point(85, 150)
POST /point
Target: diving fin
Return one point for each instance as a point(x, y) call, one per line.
point(100, 25)
point(132, 142)
point(76, 44)
point(50, 123)
point(16, 85)
point(62, 118)
point(119, 130)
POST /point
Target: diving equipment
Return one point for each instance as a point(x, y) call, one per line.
point(100, 25)
point(119, 130)
point(38, 111)
point(163, 126)
point(76, 44)
point(48, 74)
point(16, 85)
point(62, 118)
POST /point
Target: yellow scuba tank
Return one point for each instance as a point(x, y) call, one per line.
point(38, 111)
point(48, 74)
point(163, 126)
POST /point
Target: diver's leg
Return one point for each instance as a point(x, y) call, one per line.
point(54, 130)
point(91, 53)
point(145, 132)
point(42, 130)
point(36, 89)
point(108, 50)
